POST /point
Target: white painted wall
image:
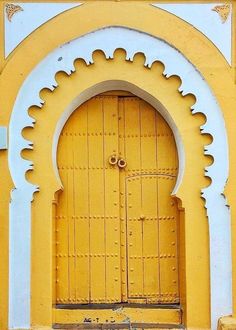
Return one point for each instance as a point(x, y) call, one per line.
point(29, 19)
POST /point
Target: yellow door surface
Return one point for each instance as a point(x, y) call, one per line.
point(116, 223)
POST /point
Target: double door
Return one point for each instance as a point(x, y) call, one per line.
point(116, 222)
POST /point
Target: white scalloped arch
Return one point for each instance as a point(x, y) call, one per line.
point(43, 76)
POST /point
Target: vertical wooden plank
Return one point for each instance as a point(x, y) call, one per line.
point(70, 127)
point(96, 200)
point(167, 154)
point(150, 237)
point(132, 133)
point(111, 205)
point(149, 201)
point(148, 137)
point(122, 189)
point(54, 251)
point(167, 161)
point(81, 204)
point(134, 238)
point(134, 197)
point(62, 225)
point(168, 241)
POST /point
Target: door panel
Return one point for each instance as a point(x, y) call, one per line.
point(150, 235)
point(88, 236)
point(116, 228)
point(134, 244)
point(142, 237)
point(151, 239)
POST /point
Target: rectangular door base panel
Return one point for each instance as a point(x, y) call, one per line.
point(120, 315)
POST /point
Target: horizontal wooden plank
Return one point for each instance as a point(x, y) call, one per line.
point(116, 306)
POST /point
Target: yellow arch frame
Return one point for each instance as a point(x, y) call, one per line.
point(197, 258)
point(84, 19)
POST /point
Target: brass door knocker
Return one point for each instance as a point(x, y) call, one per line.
point(113, 160)
point(122, 163)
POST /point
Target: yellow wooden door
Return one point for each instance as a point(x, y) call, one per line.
point(116, 227)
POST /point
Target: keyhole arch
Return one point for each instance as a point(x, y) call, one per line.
point(106, 86)
point(97, 196)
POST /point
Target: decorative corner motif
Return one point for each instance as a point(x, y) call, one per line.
point(223, 11)
point(12, 9)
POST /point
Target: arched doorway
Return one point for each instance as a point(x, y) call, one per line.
point(116, 222)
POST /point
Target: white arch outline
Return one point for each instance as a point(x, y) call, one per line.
point(43, 75)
